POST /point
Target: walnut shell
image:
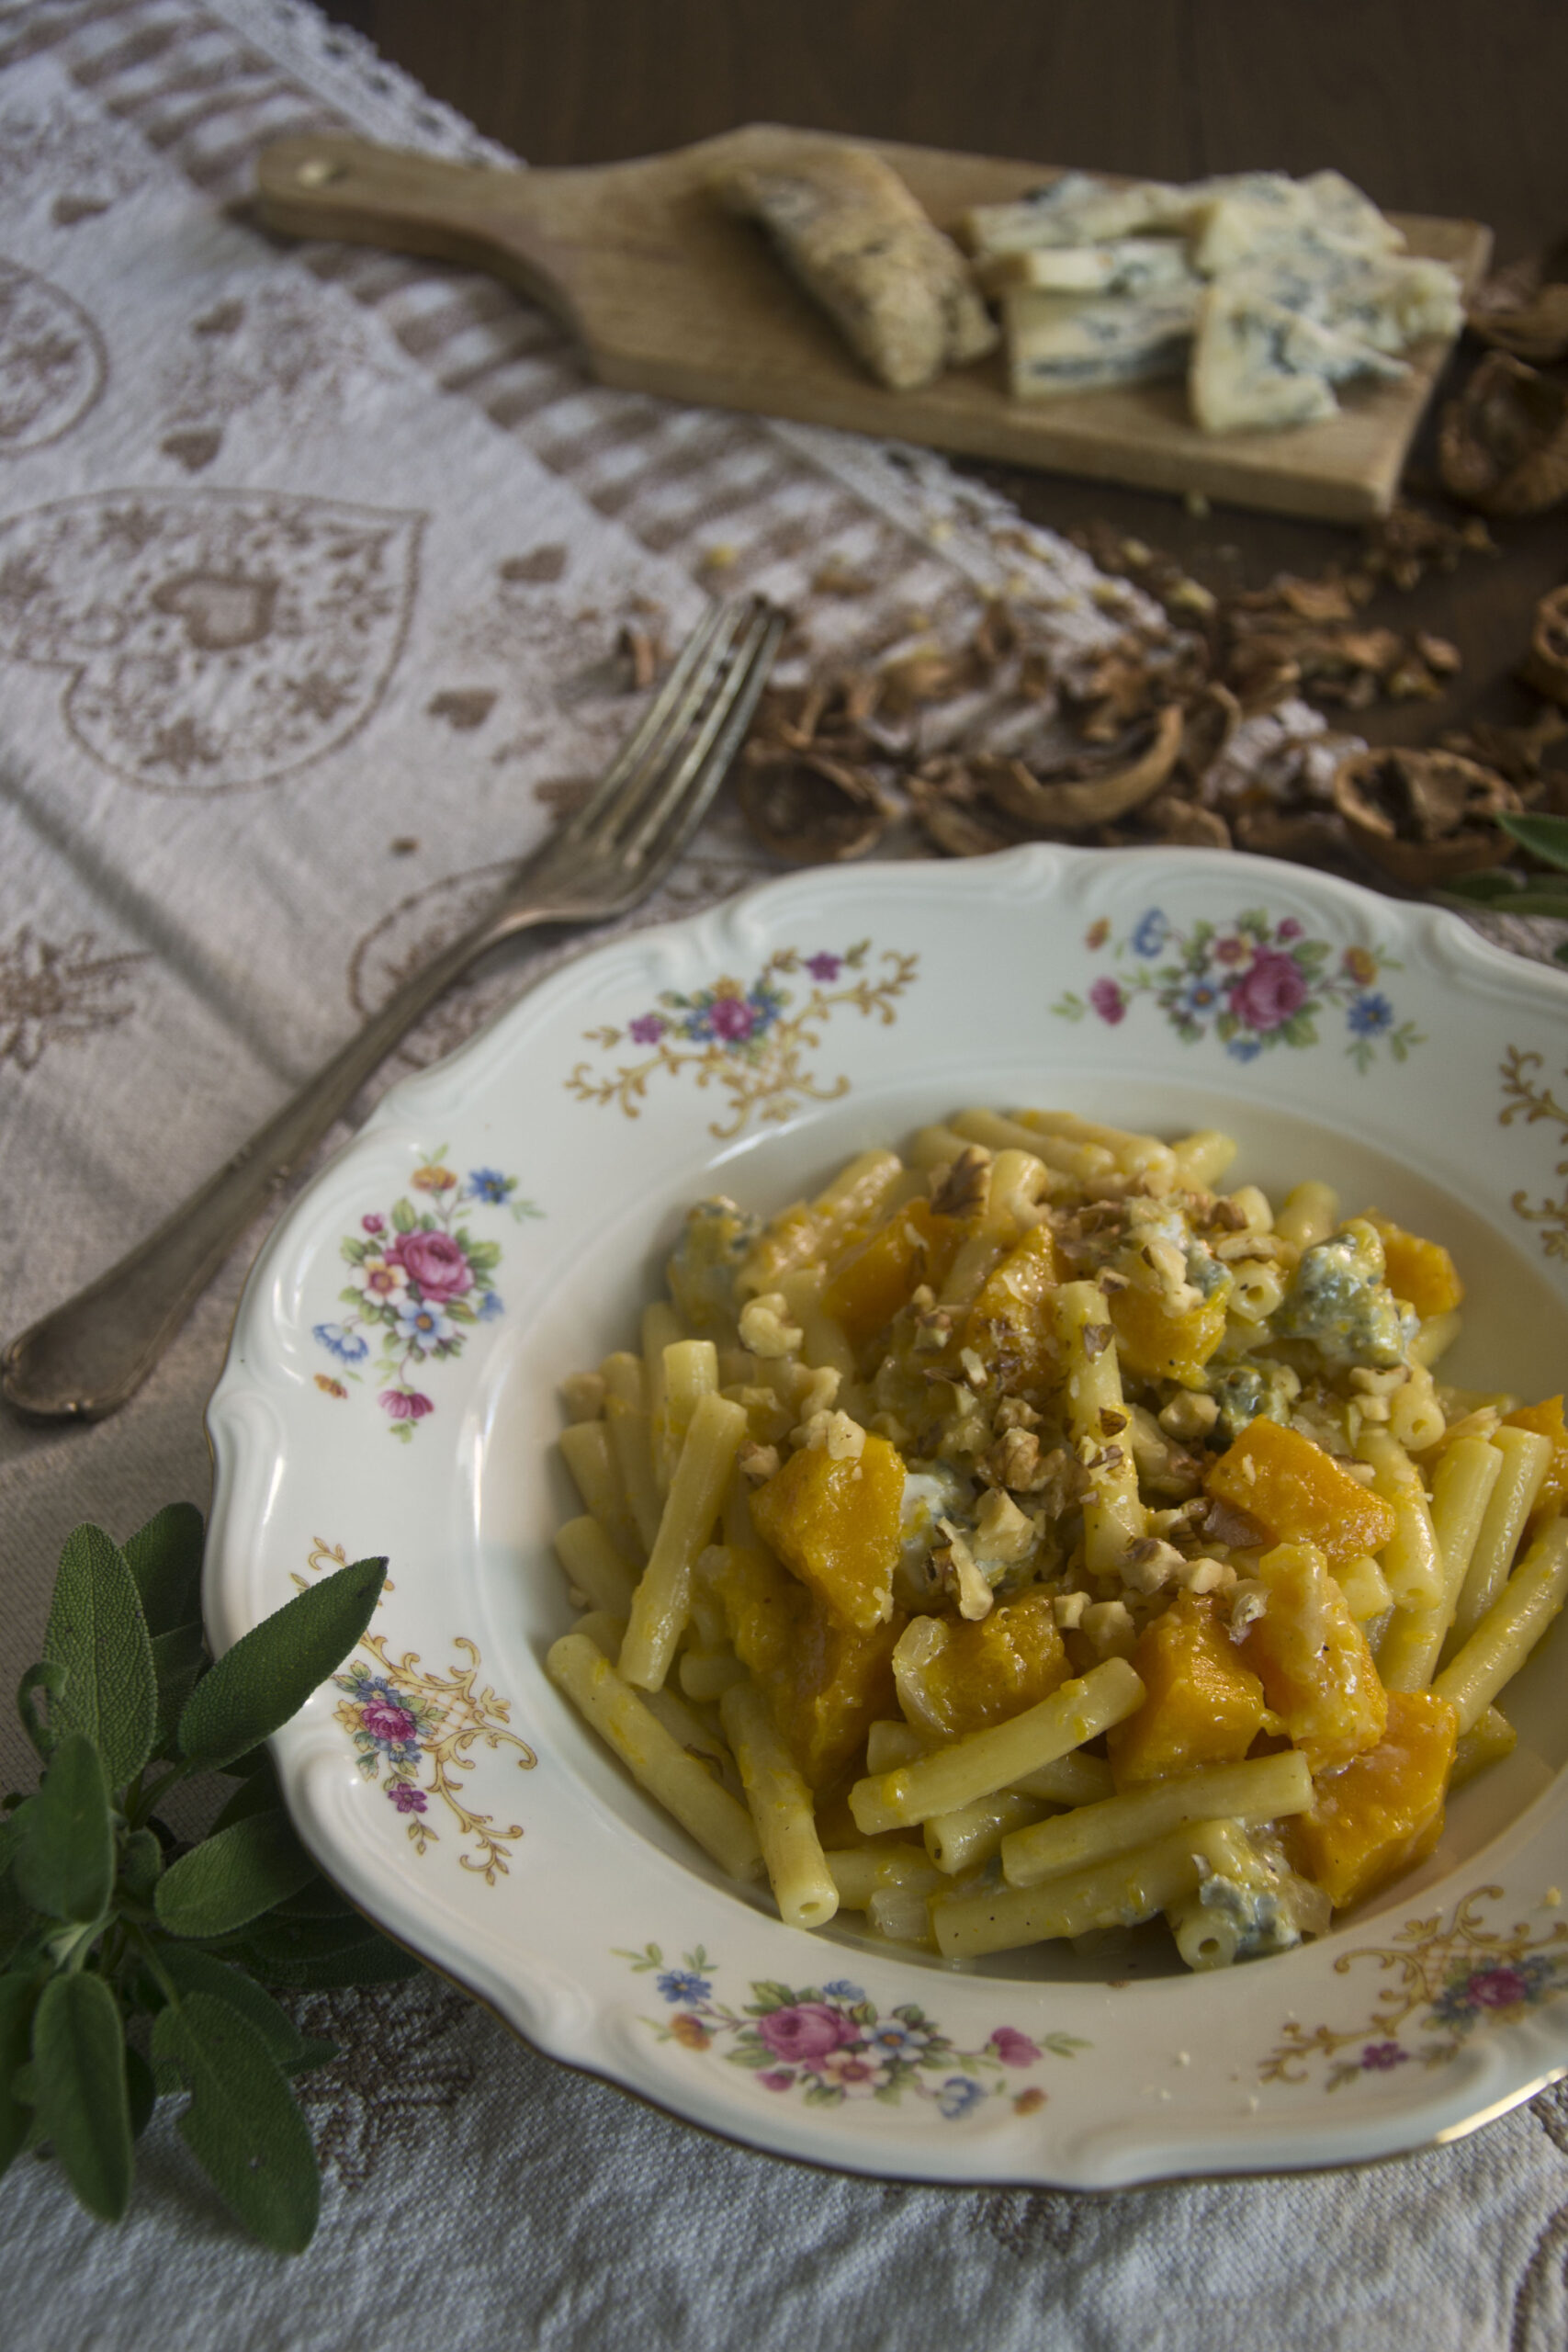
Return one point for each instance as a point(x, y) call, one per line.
point(1423, 816)
point(1503, 445)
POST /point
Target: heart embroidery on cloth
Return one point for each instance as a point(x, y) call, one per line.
point(53, 362)
point(216, 640)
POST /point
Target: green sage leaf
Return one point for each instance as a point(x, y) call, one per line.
point(78, 2047)
point(42, 1730)
point(260, 1794)
point(96, 1632)
point(1538, 901)
point(142, 2091)
point(1493, 883)
point(140, 1864)
point(1544, 837)
point(272, 1670)
point(193, 1971)
point(242, 2125)
point(319, 1900)
point(19, 1999)
point(232, 1877)
point(65, 1865)
point(180, 1660)
point(376, 1962)
point(165, 1558)
point(299, 1942)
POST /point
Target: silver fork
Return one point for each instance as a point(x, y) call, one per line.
point(82, 1361)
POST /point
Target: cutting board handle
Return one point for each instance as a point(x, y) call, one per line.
point(324, 185)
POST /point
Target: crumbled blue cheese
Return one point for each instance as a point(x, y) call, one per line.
point(1384, 300)
point(1261, 1917)
point(1339, 1301)
point(714, 1243)
point(1255, 1390)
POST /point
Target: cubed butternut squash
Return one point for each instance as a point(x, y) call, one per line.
point(1157, 1345)
point(760, 1601)
point(834, 1684)
point(1203, 1703)
point(1546, 1420)
point(1312, 1658)
point(1420, 1272)
point(1009, 1324)
point(837, 1525)
point(955, 1677)
point(1299, 1494)
point(1383, 1813)
point(874, 1280)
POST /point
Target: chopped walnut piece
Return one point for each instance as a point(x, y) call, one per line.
point(1014, 1461)
point(1096, 1339)
point(963, 1187)
point(1068, 1609)
point(757, 1462)
point(934, 1328)
point(1109, 1626)
point(1002, 1531)
point(1204, 1575)
point(1249, 1603)
point(764, 1330)
point(834, 1434)
point(1189, 1415)
point(959, 1572)
point(1014, 1413)
point(975, 1370)
point(1150, 1564)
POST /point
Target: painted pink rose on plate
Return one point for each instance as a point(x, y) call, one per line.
point(436, 1263)
point(1265, 997)
point(807, 2033)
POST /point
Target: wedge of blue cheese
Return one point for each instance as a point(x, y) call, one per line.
point(1074, 209)
point(1126, 266)
point(1056, 344)
point(1258, 367)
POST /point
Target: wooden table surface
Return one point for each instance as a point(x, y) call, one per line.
point(1431, 106)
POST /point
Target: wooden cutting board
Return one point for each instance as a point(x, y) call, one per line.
point(670, 294)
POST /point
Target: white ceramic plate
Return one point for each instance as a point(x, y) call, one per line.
point(543, 1172)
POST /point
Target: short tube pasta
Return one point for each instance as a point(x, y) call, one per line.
point(781, 1809)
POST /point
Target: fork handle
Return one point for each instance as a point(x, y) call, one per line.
point(84, 1359)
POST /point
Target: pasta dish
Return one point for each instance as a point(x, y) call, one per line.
point(1029, 1537)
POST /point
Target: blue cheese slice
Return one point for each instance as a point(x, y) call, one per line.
point(1258, 367)
point(1385, 299)
point(1129, 266)
point(1075, 209)
point(1234, 219)
point(1058, 344)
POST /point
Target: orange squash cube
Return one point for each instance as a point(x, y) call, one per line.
point(1157, 1345)
point(1546, 1420)
point(834, 1684)
point(1384, 1812)
point(1312, 1658)
point(1009, 1324)
point(1420, 1272)
point(837, 1525)
point(1299, 1494)
point(1204, 1704)
point(874, 1280)
point(980, 1674)
point(761, 1602)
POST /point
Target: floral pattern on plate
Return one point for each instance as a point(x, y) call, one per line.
point(418, 1281)
point(1527, 1098)
point(402, 1719)
point(1253, 983)
point(750, 1038)
point(828, 2044)
point(1450, 1980)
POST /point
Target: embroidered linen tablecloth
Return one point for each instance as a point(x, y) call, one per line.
point(313, 569)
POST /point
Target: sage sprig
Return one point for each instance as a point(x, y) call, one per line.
point(133, 1966)
point(1504, 891)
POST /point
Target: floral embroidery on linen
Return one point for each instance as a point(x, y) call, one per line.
point(49, 993)
point(828, 2044)
point(1254, 984)
point(418, 1281)
point(1447, 1981)
point(413, 1732)
point(748, 1038)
